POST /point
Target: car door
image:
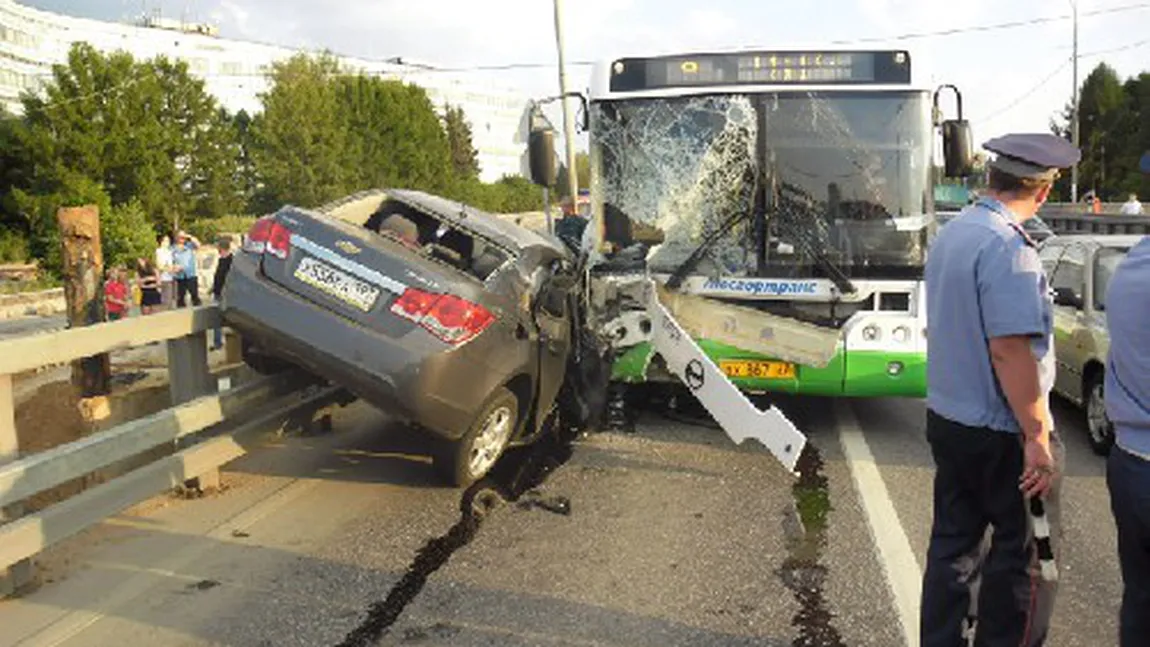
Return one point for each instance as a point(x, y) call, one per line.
point(1068, 281)
point(552, 312)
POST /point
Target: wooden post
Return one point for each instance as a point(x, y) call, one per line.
point(19, 574)
point(83, 262)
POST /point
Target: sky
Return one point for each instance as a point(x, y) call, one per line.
point(1012, 80)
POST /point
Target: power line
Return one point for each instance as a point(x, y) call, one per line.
point(1025, 95)
point(1113, 50)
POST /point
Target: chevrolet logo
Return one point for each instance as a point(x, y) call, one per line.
point(347, 247)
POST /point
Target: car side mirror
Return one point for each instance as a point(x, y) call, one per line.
point(541, 157)
point(1067, 297)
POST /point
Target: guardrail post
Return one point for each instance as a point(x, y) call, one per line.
point(189, 378)
point(19, 574)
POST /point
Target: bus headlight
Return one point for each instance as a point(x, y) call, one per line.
point(901, 334)
point(871, 333)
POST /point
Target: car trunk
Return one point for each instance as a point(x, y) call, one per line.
point(356, 272)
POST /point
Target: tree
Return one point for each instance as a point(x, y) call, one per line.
point(141, 131)
point(464, 157)
point(397, 139)
point(298, 145)
point(1114, 129)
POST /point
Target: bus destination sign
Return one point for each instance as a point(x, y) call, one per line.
point(761, 68)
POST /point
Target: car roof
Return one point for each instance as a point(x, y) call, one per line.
point(498, 230)
point(1103, 240)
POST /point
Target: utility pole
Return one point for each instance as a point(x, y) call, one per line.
point(1074, 124)
point(568, 118)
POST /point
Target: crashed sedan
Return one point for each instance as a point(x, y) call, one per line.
point(440, 315)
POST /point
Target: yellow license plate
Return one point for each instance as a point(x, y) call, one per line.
point(758, 369)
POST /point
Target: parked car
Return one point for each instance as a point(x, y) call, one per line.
point(1079, 269)
point(437, 313)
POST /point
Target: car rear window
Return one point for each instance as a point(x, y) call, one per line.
point(448, 244)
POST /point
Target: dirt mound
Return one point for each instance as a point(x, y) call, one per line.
point(49, 418)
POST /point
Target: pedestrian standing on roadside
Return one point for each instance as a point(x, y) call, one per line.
point(164, 265)
point(187, 276)
point(149, 278)
point(116, 295)
point(1127, 393)
point(222, 267)
point(990, 369)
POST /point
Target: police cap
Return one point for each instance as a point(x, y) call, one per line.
point(1036, 156)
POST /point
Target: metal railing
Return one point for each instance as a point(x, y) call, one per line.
point(204, 428)
point(1078, 219)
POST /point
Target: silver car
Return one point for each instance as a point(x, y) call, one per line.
point(1079, 269)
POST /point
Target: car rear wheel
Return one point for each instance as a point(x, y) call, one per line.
point(469, 459)
point(1098, 425)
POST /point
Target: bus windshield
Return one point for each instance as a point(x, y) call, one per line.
point(842, 175)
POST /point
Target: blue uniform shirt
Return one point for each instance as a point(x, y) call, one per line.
point(983, 280)
point(1128, 373)
point(185, 257)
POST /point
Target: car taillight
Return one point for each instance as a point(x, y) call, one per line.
point(448, 317)
point(267, 235)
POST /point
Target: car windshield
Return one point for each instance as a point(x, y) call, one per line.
point(844, 176)
point(1105, 264)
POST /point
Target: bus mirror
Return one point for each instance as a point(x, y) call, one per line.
point(957, 148)
point(541, 157)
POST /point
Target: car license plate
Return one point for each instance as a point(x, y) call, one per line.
point(758, 369)
point(340, 285)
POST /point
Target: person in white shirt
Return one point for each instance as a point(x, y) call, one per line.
point(164, 264)
point(1132, 207)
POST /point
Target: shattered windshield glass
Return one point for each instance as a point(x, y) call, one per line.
point(836, 177)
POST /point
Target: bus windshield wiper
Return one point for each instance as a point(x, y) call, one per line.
point(802, 235)
point(688, 266)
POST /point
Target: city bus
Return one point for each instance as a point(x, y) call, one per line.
point(772, 186)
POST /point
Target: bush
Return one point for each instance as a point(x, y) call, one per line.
point(509, 194)
point(13, 247)
point(209, 230)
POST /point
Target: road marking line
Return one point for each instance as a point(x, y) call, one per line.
point(73, 623)
point(902, 572)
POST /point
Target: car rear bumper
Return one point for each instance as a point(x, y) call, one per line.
point(412, 377)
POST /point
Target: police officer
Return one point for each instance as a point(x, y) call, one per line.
point(1127, 389)
point(990, 368)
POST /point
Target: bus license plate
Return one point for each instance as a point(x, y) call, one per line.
point(758, 369)
point(333, 282)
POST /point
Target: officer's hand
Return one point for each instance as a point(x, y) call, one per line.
point(1038, 469)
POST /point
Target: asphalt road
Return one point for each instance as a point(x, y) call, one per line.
point(671, 536)
point(31, 325)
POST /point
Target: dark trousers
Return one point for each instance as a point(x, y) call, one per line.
point(976, 487)
point(187, 286)
point(1128, 479)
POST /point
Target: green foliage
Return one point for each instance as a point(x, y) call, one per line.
point(1114, 131)
point(299, 146)
point(208, 231)
point(147, 131)
point(126, 235)
point(510, 194)
point(13, 246)
point(583, 175)
point(464, 157)
point(73, 190)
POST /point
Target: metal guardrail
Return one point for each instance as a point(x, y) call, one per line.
point(1077, 219)
point(231, 418)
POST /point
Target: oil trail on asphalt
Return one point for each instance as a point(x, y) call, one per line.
point(802, 572)
point(519, 472)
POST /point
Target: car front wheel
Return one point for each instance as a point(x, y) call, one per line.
point(469, 459)
point(1098, 425)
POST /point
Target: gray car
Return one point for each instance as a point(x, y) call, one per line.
point(439, 314)
point(1079, 269)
